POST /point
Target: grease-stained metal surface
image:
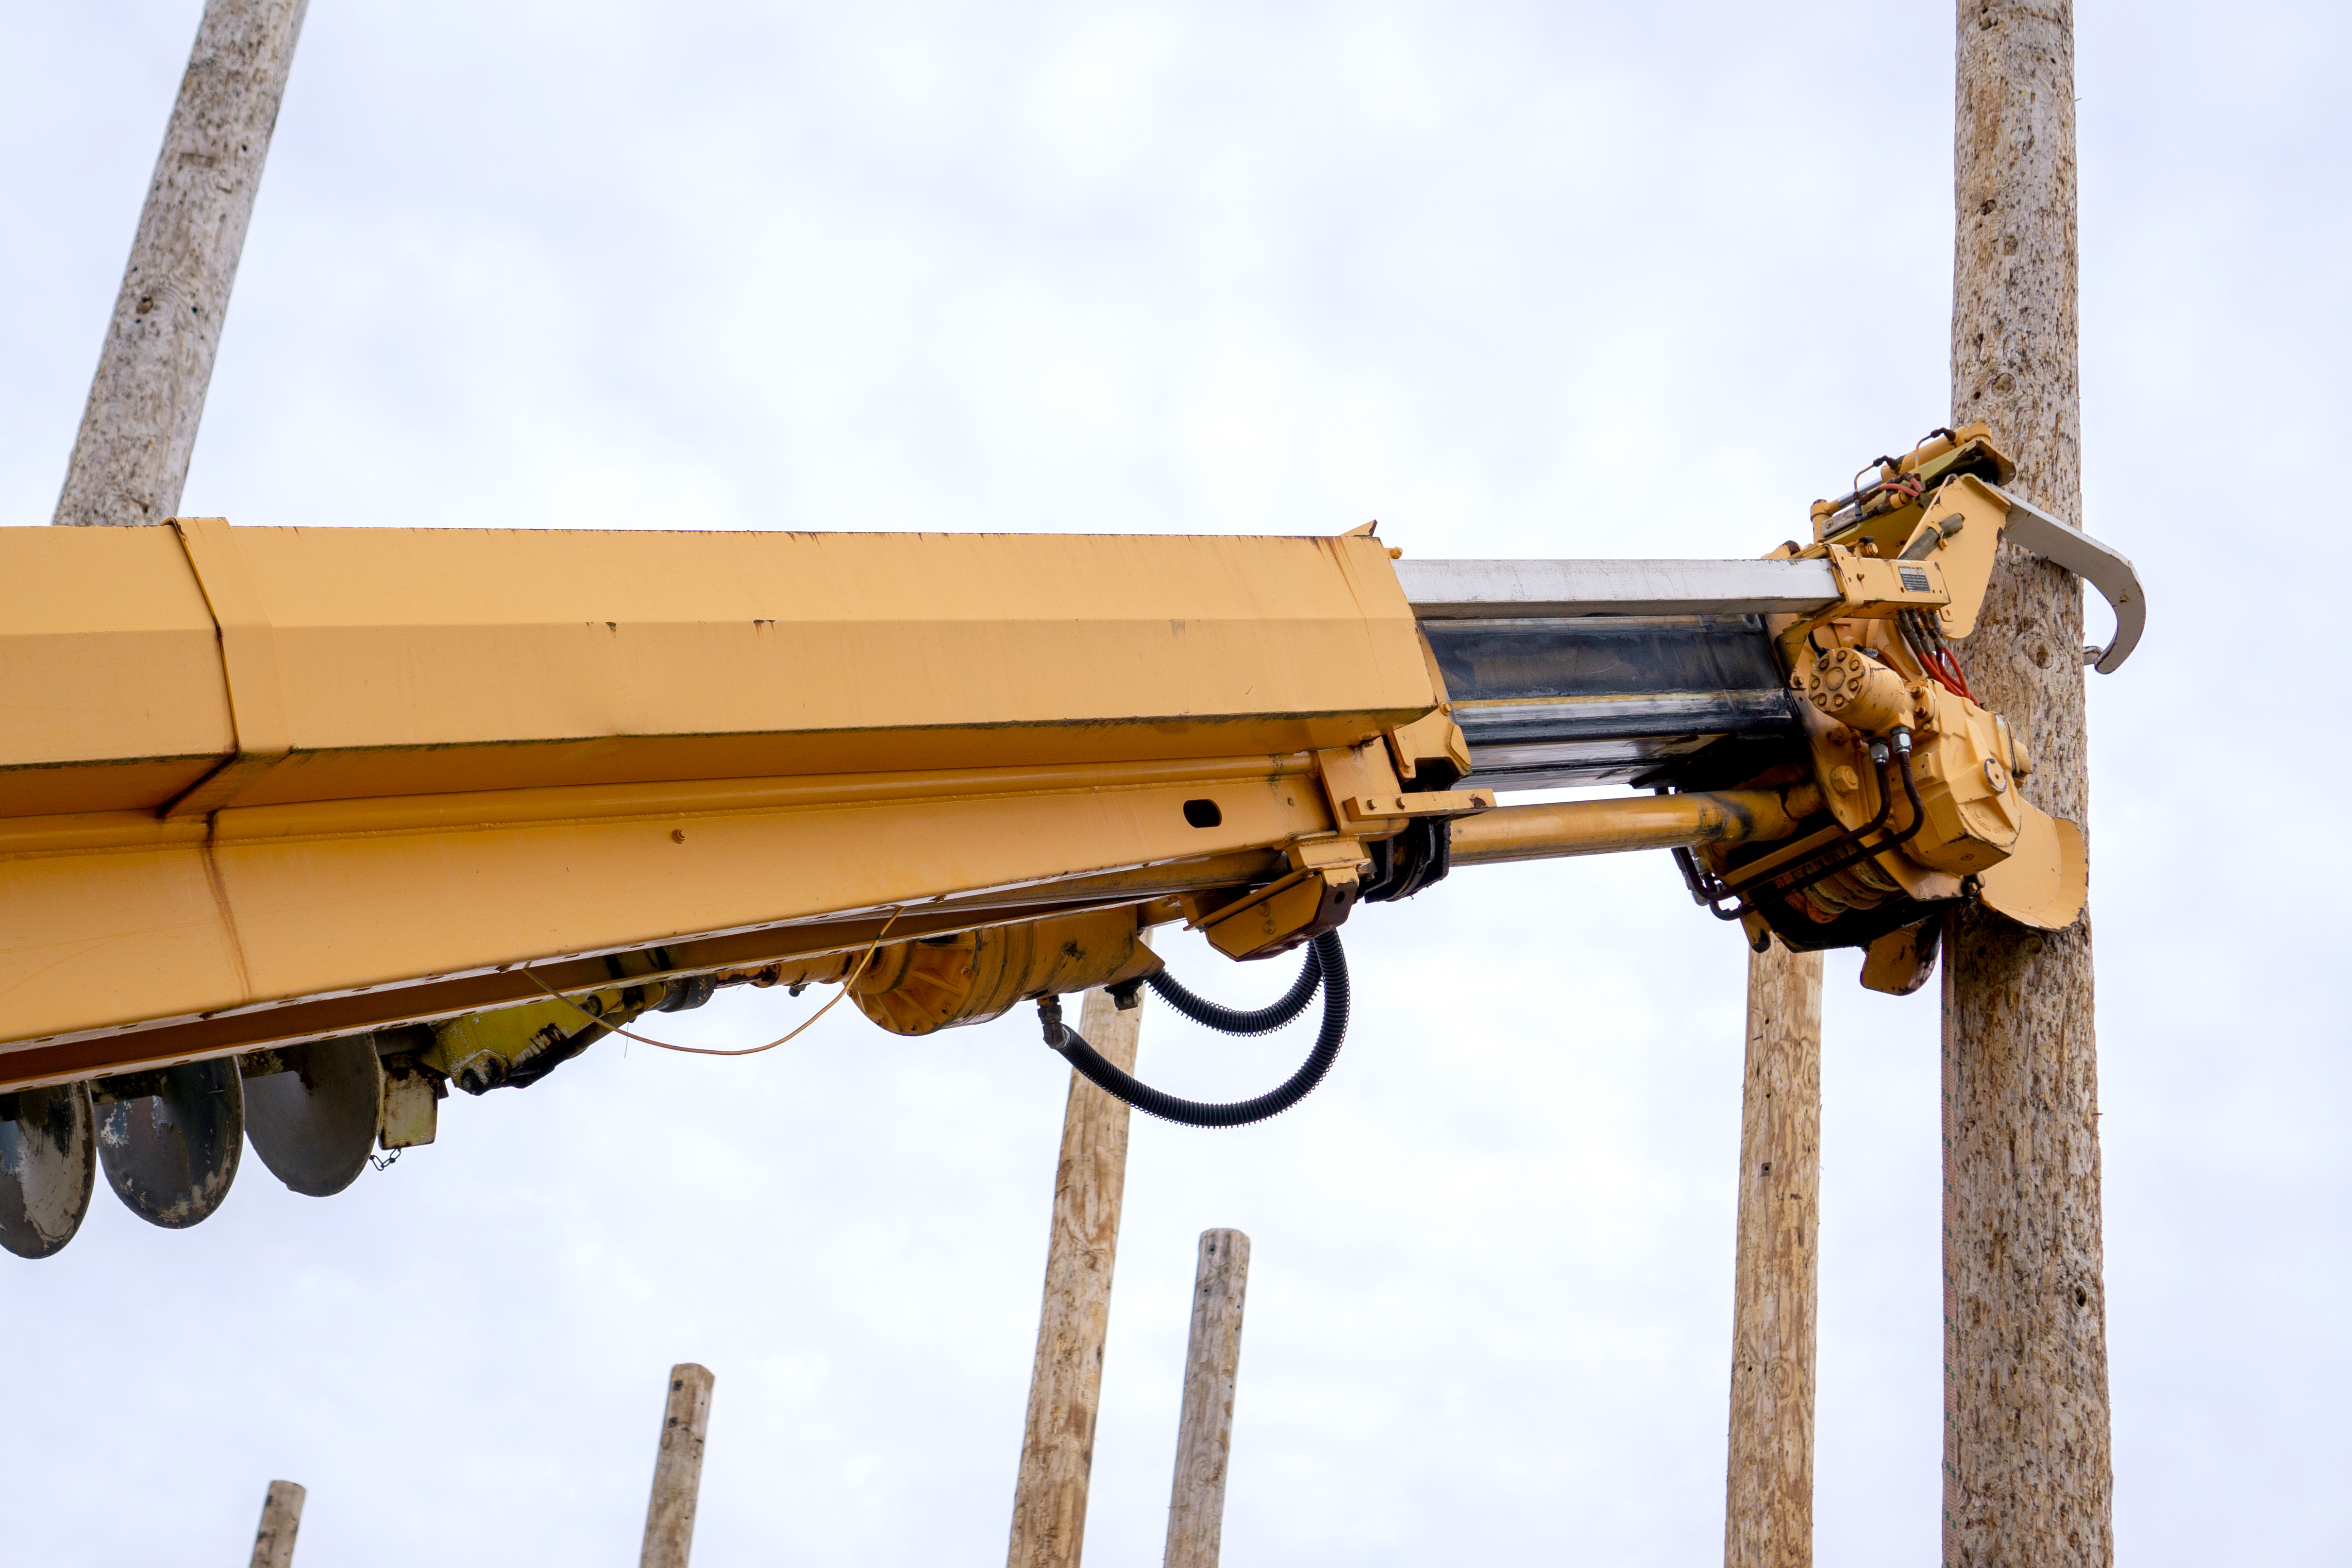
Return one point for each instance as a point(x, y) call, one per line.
point(313, 1115)
point(48, 1161)
point(170, 1139)
point(412, 1104)
point(1555, 701)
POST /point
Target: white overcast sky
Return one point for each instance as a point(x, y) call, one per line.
point(1515, 279)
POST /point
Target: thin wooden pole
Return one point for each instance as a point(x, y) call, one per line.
point(138, 428)
point(1204, 1431)
point(1769, 1512)
point(1057, 1446)
point(2028, 1474)
point(677, 1469)
point(281, 1518)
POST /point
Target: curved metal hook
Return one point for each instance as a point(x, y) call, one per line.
point(2101, 565)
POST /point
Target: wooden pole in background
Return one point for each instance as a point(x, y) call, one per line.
point(677, 1469)
point(2027, 1476)
point(138, 428)
point(1769, 1515)
point(281, 1518)
point(1204, 1430)
point(1057, 1446)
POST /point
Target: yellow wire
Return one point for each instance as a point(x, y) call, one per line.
point(872, 948)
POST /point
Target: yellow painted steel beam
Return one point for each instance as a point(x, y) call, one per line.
point(266, 785)
point(283, 666)
point(113, 697)
point(280, 906)
point(431, 1001)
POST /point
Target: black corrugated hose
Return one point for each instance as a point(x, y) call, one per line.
point(1325, 966)
point(1231, 1020)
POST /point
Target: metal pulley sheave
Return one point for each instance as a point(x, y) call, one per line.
point(170, 1139)
point(48, 1164)
point(313, 1110)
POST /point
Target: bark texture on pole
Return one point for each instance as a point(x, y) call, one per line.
point(1057, 1446)
point(677, 1469)
point(140, 426)
point(1769, 1508)
point(2027, 1471)
point(281, 1518)
point(1204, 1429)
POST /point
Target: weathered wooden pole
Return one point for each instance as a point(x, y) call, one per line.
point(1057, 1446)
point(1204, 1430)
point(281, 1518)
point(2028, 1477)
point(140, 426)
point(677, 1469)
point(1769, 1511)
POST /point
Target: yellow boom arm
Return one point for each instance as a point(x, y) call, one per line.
point(462, 791)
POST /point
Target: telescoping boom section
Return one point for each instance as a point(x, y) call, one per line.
point(299, 827)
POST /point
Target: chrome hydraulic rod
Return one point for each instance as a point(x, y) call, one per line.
point(1636, 821)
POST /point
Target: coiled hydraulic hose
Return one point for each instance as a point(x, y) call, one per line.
point(1231, 1020)
point(1325, 966)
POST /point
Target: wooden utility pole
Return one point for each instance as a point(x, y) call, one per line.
point(1057, 1446)
point(2028, 1477)
point(1769, 1508)
point(1204, 1429)
point(677, 1469)
point(140, 426)
point(281, 1518)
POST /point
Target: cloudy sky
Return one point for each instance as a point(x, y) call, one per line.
point(1515, 279)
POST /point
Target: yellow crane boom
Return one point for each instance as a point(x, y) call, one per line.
point(446, 804)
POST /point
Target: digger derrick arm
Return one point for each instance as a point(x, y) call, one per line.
point(300, 827)
point(281, 783)
point(286, 783)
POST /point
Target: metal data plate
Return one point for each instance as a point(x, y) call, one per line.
point(1582, 699)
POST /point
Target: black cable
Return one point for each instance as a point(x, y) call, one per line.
point(1233, 1020)
point(1327, 963)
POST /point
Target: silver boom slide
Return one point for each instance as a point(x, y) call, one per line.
point(1588, 672)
